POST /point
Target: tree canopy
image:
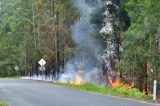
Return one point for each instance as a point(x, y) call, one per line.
point(35, 29)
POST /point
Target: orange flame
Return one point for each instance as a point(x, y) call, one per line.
point(114, 83)
point(79, 79)
point(79, 75)
point(118, 82)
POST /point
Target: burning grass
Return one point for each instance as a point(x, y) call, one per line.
point(119, 90)
point(118, 82)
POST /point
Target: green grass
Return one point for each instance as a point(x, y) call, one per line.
point(3, 103)
point(118, 91)
point(12, 76)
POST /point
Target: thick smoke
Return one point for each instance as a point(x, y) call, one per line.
point(88, 51)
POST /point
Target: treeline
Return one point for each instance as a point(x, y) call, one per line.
point(132, 33)
point(35, 29)
point(141, 42)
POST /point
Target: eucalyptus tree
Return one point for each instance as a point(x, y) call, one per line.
point(35, 29)
point(141, 41)
point(9, 42)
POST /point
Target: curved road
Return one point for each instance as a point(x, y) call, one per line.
point(20, 92)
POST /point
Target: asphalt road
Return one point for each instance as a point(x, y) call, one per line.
point(20, 92)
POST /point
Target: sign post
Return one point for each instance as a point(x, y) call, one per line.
point(155, 90)
point(42, 62)
point(17, 70)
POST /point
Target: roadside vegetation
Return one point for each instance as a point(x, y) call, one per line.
point(35, 29)
point(134, 43)
point(10, 73)
point(116, 91)
point(3, 103)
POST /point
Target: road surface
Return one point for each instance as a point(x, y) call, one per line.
point(20, 92)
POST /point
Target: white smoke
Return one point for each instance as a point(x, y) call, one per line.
point(88, 48)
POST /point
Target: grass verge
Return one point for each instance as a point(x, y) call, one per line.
point(3, 103)
point(12, 77)
point(117, 91)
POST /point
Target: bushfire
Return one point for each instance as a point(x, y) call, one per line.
point(116, 82)
point(78, 77)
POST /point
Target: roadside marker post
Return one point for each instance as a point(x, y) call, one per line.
point(17, 70)
point(155, 90)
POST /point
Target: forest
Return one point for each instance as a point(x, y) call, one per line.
point(35, 29)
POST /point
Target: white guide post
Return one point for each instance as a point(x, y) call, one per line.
point(155, 90)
